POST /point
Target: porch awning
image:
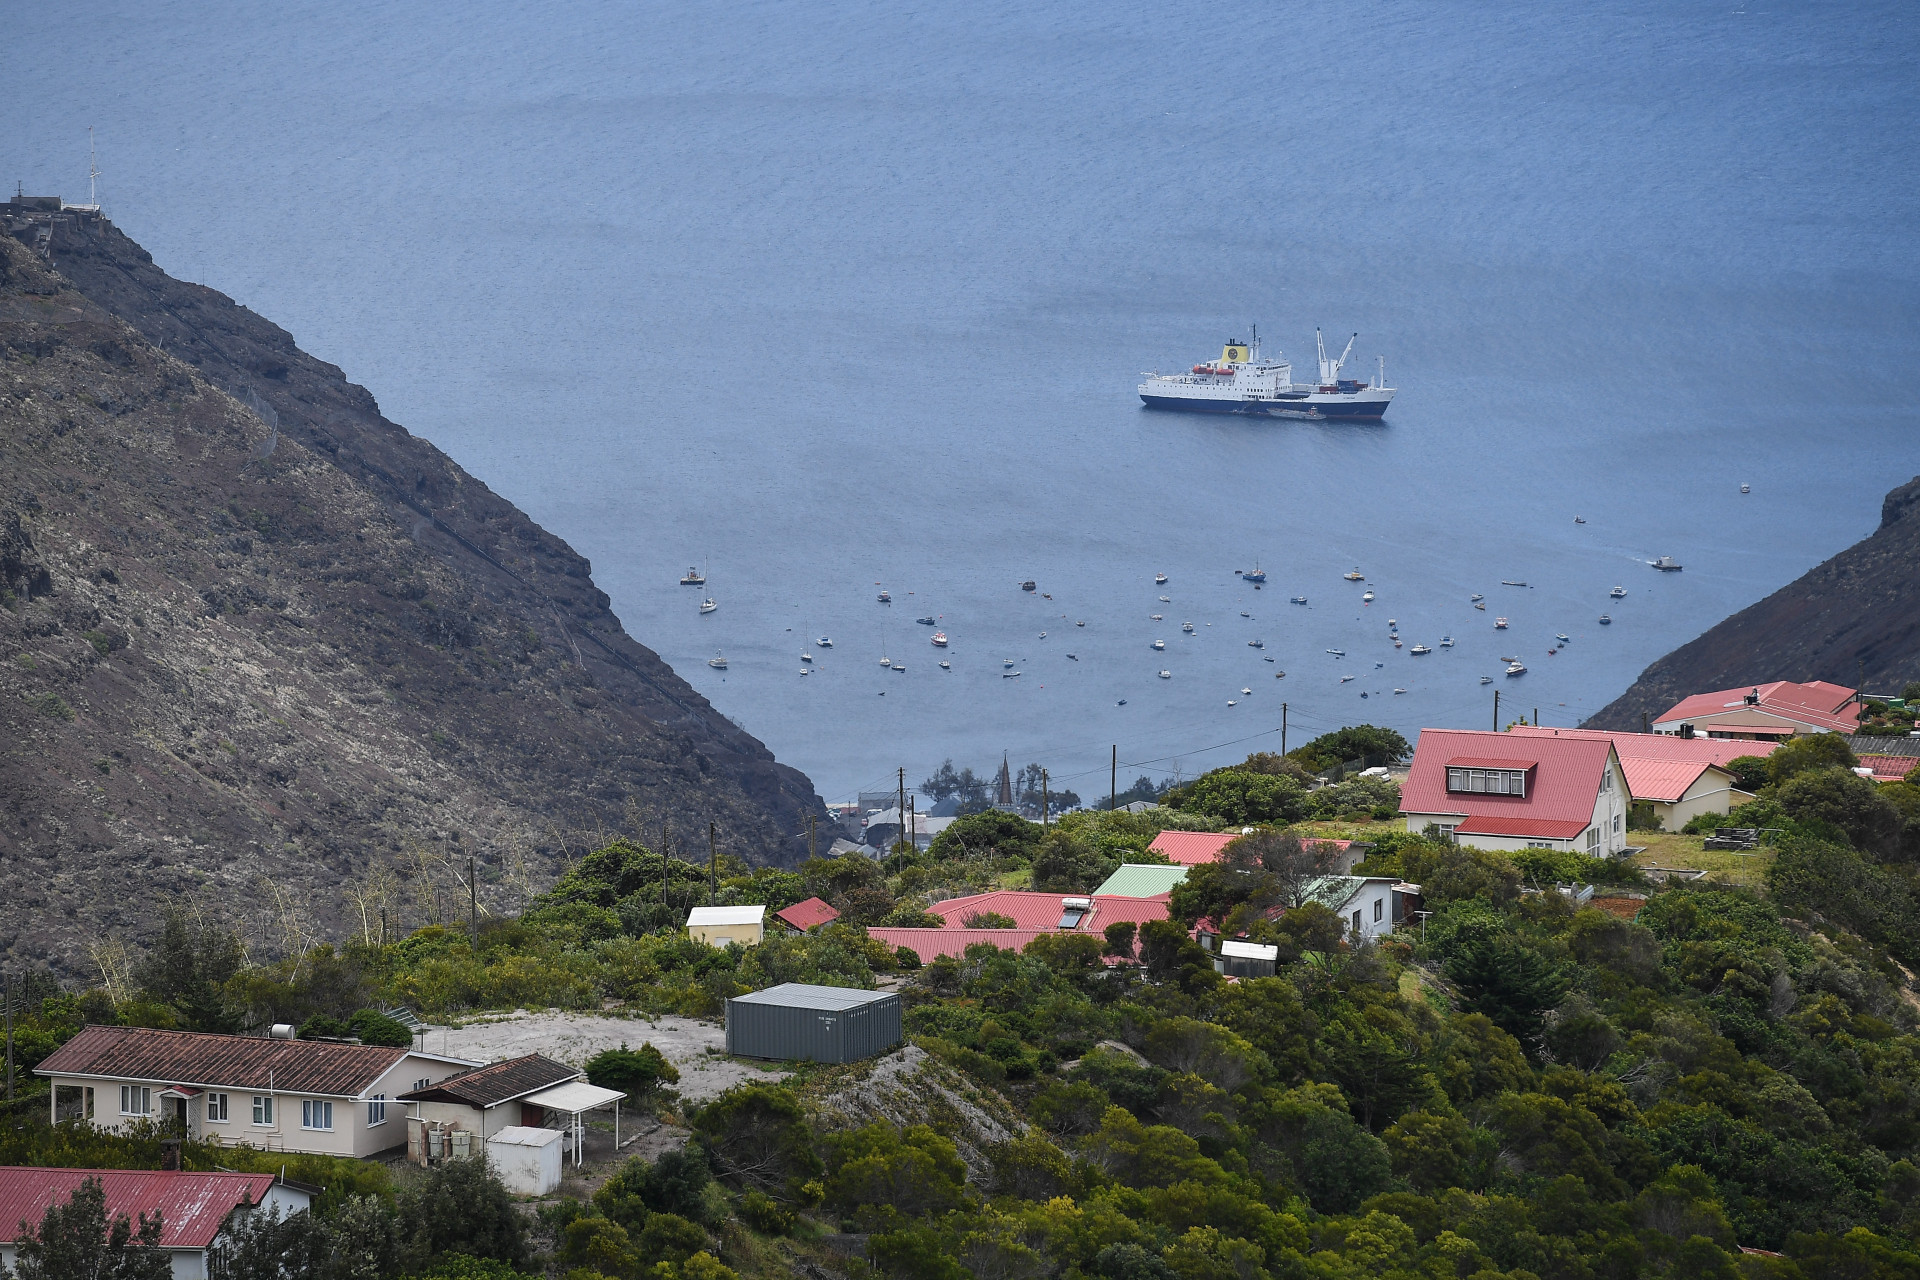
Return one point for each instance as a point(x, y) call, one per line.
point(575, 1097)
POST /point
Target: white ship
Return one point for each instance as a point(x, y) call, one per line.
point(1244, 381)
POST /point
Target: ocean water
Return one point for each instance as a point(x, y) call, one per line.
point(833, 296)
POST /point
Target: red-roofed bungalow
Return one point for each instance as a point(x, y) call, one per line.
point(1192, 848)
point(1501, 791)
point(805, 915)
point(1771, 712)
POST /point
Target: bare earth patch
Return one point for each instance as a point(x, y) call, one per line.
point(695, 1047)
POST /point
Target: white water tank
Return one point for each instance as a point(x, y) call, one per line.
point(527, 1160)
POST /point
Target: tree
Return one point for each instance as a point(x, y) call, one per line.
point(1749, 772)
point(1066, 864)
point(992, 834)
point(635, 1072)
point(187, 968)
point(1808, 751)
point(460, 1206)
point(1365, 742)
point(1847, 801)
point(1502, 977)
point(1239, 795)
point(76, 1241)
point(913, 1171)
point(1287, 864)
point(756, 1138)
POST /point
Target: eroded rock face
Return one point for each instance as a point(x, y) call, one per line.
point(263, 650)
point(1856, 615)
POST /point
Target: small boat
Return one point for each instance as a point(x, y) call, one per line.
point(1121, 703)
point(707, 605)
point(1256, 644)
point(1299, 599)
point(1363, 694)
point(1046, 595)
point(1345, 679)
point(1245, 614)
point(1606, 619)
point(1187, 627)
point(1232, 703)
point(1618, 593)
point(1165, 674)
point(1166, 599)
point(1561, 637)
point(1746, 488)
point(717, 661)
point(1159, 579)
point(945, 665)
point(1159, 644)
point(1157, 617)
point(1073, 657)
point(694, 578)
point(1279, 675)
point(1446, 642)
point(928, 621)
point(1366, 597)
point(1481, 607)
point(1396, 642)
point(1248, 691)
point(899, 666)
point(1266, 659)
point(1006, 662)
point(886, 662)
point(1579, 519)
point(1081, 623)
point(1338, 653)
point(825, 643)
point(1043, 635)
point(1477, 596)
point(1507, 582)
point(1378, 665)
point(806, 657)
point(1255, 574)
point(885, 597)
point(806, 671)
point(1355, 576)
point(1517, 669)
point(1028, 585)
point(1393, 622)
point(1499, 624)
point(1665, 564)
point(939, 639)
point(1009, 675)
point(1399, 690)
point(1419, 649)
point(1486, 679)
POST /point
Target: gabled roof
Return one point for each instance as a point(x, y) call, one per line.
point(1043, 911)
point(1563, 782)
point(1337, 891)
point(192, 1206)
point(498, 1082)
point(1521, 827)
point(1889, 768)
point(1191, 848)
point(931, 944)
point(1656, 746)
point(236, 1062)
point(726, 915)
point(1815, 703)
point(1141, 880)
point(807, 914)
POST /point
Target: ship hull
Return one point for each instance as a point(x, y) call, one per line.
point(1344, 408)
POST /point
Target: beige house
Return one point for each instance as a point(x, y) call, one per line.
point(315, 1096)
point(721, 926)
point(1771, 712)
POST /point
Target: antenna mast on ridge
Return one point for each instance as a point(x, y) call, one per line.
point(93, 172)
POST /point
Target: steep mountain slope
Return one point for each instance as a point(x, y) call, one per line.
point(264, 651)
point(1857, 615)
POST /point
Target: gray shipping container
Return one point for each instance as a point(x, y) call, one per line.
point(796, 1021)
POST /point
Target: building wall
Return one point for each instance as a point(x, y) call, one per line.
point(1372, 898)
point(718, 935)
point(1739, 722)
point(483, 1122)
point(1711, 792)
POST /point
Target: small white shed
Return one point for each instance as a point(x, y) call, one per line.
point(526, 1160)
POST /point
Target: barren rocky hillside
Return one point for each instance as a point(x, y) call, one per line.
point(1857, 615)
point(263, 652)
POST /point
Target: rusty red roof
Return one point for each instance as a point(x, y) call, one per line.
point(208, 1060)
point(499, 1082)
point(1044, 911)
point(1890, 768)
point(1562, 788)
point(192, 1206)
point(807, 914)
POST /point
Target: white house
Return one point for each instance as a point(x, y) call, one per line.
point(1509, 792)
point(283, 1095)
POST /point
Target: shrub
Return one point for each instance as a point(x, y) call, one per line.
point(635, 1072)
point(765, 1214)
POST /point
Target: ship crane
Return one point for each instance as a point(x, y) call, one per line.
point(1330, 369)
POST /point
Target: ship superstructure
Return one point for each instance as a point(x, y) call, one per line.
point(1244, 381)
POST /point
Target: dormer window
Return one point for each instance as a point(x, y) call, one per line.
point(1496, 782)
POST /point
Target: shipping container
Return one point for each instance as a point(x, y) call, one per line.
point(795, 1021)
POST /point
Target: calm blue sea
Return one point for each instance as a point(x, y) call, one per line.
point(833, 295)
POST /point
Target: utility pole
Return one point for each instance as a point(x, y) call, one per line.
point(383, 926)
point(1536, 717)
point(1496, 711)
point(1113, 781)
point(810, 841)
point(913, 825)
point(1646, 725)
point(1283, 728)
point(1043, 799)
point(713, 865)
point(9, 999)
point(900, 807)
point(473, 904)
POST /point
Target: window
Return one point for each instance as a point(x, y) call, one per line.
point(1376, 909)
point(316, 1114)
point(376, 1110)
point(1495, 782)
point(216, 1108)
point(1356, 922)
point(1539, 844)
point(262, 1110)
point(421, 1084)
point(1445, 830)
point(136, 1100)
point(1616, 824)
point(1593, 838)
point(1606, 779)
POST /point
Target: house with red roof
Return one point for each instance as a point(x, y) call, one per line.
point(810, 913)
point(1193, 848)
point(1033, 914)
point(194, 1208)
point(1680, 777)
point(1771, 712)
point(1502, 791)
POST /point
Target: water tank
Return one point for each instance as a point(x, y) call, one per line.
point(282, 1031)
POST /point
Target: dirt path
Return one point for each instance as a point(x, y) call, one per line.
point(693, 1046)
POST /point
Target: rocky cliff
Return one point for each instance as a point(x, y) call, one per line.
point(265, 653)
point(1856, 616)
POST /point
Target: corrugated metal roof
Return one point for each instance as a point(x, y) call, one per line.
point(519, 1135)
point(192, 1206)
point(500, 1082)
point(235, 1062)
point(1662, 780)
point(1029, 910)
point(807, 914)
point(1656, 746)
point(1191, 848)
point(931, 944)
point(726, 915)
point(1141, 880)
point(1249, 950)
point(1815, 703)
point(1889, 768)
point(1563, 787)
point(576, 1096)
point(802, 995)
point(1492, 762)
